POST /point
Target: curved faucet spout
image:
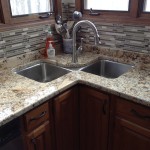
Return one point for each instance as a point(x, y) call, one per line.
point(96, 37)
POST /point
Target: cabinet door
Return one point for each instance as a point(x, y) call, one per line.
point(94, 114)
point(39, 139)
point(130, 136)
point(66, 115)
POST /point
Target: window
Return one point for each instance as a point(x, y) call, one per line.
point(112, 5)
point(145, 9)
point(29, 7)
point(19, 11)
point(146, 5)
point(122, 11)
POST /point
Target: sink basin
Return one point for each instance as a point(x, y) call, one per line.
point(42, 72)
point(108, 69)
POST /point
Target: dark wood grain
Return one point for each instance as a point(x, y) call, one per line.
point(128, 130)
point(94, 115)
point(32, 119)
point(130, 136)
point(66, 114)
point(39, 139)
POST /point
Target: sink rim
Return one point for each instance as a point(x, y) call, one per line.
point(107, 60)
point(37, 62)
point(34, 63)
point(26, 67)
point(133, 66)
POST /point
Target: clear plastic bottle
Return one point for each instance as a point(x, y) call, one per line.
point(51, 51)
point(50, 39)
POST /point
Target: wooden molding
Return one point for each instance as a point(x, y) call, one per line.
point(119, 19)
point(134, 16)
point(6, 27)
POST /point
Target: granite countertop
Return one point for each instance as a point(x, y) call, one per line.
point(20, 94)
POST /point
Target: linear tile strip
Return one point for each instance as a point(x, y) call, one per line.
point(20, 41)
point(127, 37)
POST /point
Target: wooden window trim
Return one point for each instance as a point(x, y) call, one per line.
point(7, 27)
point(109, 12)
point(1, 14)
point(141, 13)
point(8, 19)
point(7, 22)
point(58, 7)
point(135, 15)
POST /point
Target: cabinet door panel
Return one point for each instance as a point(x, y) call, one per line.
point(94, 113)
point(39, 139)
point(67, 120)
point(129, 136)
point(133, 112)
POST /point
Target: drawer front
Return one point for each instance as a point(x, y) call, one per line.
point(133, 112)
point(36, 116)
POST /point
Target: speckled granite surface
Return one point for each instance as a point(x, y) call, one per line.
point(20, 94)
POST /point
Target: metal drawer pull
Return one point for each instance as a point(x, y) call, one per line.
point(38, 117)
point(105, 107)
point(34, 143)
point(139, 115)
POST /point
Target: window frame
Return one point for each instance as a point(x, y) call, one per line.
point(1, 18)
point(135, 15)
point(142, 13)
point(107, 11)
point(130, 12)
point(7, 17)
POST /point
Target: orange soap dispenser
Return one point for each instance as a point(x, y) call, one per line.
point(49, 39)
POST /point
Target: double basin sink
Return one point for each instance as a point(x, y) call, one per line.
point(45, 72)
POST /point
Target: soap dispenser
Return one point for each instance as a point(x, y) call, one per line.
point(51, 51)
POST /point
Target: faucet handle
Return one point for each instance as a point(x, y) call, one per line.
point(80, 49)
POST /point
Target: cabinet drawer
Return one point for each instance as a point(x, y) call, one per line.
point(133, 112)
point(36, 116)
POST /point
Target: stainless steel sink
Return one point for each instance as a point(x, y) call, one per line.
point(42, 72)
point(108, 69)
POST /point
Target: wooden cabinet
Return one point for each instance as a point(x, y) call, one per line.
point(83, 118)
point(94, 117)
point(66, 115)
point(39, 139)
point(36, 117)
point(37, 128)
point(130, 127)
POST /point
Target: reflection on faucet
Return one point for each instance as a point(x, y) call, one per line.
point(80, 49)
point(96, 37)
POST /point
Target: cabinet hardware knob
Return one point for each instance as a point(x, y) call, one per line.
point(139, 115)
point(38, 117)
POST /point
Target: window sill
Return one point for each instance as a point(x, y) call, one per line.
point(118, 19)
point(6, 27)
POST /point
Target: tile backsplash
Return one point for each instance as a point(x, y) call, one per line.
point(126, 37)
point(24, 40)
point(32, 39)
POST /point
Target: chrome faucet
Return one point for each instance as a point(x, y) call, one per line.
point(96, 37)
